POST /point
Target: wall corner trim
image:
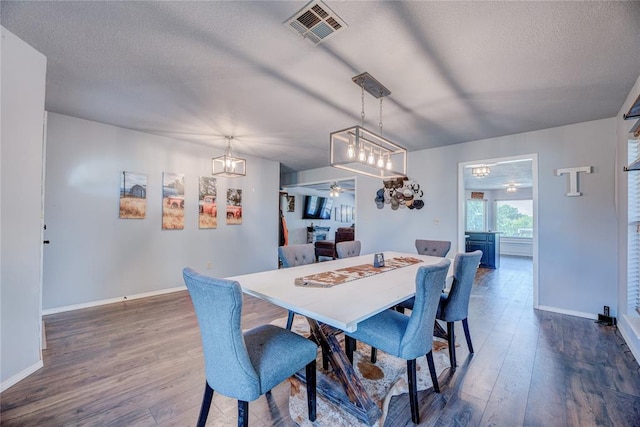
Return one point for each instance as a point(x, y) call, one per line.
point(629, 328)
point(567, 312)
point(20, 376)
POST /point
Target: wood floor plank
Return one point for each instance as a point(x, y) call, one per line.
point(140, 363)
point(508, 401)
point(585, 398)
point(548, 391)
point(461, 410)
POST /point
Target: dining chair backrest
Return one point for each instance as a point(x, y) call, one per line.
point(218, 307)
point(417, 338)
point(295, 255)
point(348, 249)
point(456, 305)
point(433, 247)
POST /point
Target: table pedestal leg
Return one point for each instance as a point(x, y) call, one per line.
point(353, 397)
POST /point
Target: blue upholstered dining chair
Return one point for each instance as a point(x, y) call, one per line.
point(246, 365)
point(293, 256)
point(454, 305)
point(348, 249)
point(407, 337)
point(438, 248)
point(433, 247)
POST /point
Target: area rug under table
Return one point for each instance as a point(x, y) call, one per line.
point(382, 380)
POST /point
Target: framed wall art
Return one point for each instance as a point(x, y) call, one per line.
point(172, 201)
point(234, 206)
point(133, 195)
point(207, 203)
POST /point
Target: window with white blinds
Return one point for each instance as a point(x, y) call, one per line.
point(633, 249)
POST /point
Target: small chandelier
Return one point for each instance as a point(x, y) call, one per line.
point(511, 188)
point(229, 165)
point(359, 150)
point(480, 171)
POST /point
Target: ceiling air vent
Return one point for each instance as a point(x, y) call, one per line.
point(315, 22)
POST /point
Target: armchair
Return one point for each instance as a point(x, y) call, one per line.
point(327, 248)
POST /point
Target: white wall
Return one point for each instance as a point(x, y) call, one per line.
point(95, 256)
point(23, 89)
point(629, 320)
point(577, 235)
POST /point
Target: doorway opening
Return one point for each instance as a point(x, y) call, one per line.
point(499, 197)
point(315, 210)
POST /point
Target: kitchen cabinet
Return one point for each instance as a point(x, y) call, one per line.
point(488, 243)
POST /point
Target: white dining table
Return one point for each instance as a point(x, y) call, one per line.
point(341, 306)
point(331, 310)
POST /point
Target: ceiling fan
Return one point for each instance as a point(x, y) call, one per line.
point(336, 188)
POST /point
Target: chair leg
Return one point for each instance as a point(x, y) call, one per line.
point(243, 413)
point(451, 339)
point(374, 354)
point(349, 346)
point(311, 390)
point(432, 371)
point(413, 391)
point(325, 361)
point(467, 335)
point(290, 319)
point(206, 404)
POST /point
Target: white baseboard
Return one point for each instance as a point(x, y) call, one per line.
point(568, 312)
point(629, 327)
point(111, 300)
point(20, 376)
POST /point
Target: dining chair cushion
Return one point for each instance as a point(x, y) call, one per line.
point(433, 247)
point(348, 249)
point(265, 345)
point(295, 255)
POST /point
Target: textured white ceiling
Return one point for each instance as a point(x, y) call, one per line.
point(458, 71)
point(516, 172)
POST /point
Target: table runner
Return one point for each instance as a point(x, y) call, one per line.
point(348, 274)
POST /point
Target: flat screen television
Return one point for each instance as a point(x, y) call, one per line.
point(316, 207)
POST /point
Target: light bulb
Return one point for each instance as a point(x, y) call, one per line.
point(351, 152)
point(361, 155)
point(380, 161)
point(371, 159)
point(389, 165)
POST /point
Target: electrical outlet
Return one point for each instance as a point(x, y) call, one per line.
point(209, 265)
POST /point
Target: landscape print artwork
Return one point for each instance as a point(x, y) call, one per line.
point(133, 195)
point(234, 206)
point(208, 207)
point(172, 201)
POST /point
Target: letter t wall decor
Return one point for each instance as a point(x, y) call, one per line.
point(573, 178)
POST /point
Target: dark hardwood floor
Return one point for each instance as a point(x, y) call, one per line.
point(139, 363)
